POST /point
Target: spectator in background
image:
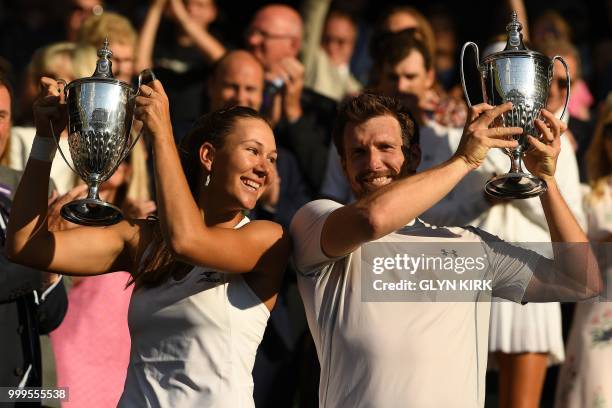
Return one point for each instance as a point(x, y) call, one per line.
point(122, 40)
point(328, 47)
point(181, 49)
point(580, 129)
point(448, 110)
point(586, 376)
point(302, 118)
point(32, 302)
point(78, 12)
point(550, 26)
point(445, 32)
point(56, 61)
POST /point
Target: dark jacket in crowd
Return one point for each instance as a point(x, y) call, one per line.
point(26, 311)
point(309, 137)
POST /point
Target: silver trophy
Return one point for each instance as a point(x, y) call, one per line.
point(523, 77)
point(100, 114)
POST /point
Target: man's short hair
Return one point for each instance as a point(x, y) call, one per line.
point(395, 47)
point(366, 106)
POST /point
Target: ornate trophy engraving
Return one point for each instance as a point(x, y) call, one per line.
point(523, 77)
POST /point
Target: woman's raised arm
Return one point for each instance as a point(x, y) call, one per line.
point(259, 246)
point(77, 251)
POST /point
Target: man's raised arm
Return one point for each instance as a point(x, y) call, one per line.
point(392, 206)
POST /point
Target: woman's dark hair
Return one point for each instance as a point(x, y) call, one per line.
point(158, 263)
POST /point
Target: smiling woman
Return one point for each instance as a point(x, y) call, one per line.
point(205, 277)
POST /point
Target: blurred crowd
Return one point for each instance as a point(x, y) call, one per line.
point(294, 63)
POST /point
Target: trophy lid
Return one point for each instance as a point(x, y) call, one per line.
point(514, 43)
point(104, 70)
point(104, 66)
point(515, 37)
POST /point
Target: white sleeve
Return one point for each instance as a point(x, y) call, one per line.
point(306, 228)
point(512, 267)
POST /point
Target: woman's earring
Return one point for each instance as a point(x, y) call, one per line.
point(207, 181)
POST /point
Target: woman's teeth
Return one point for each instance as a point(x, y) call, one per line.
point(251, 184)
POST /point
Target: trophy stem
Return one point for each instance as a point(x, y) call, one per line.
point(92, 193)
point(516, 161)
point(515, 184)
point(92, 211)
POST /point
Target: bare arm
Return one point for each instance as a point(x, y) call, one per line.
point(314, 12)
point(148, 33)
point(575, 273)
point(79, 251)
point(394, 205)
point(521, 11)
point(259, 246)
point(208, 45)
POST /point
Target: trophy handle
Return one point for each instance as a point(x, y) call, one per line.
point(56, 138)
point(145, 76)
point(567, 96)
point(465, 46)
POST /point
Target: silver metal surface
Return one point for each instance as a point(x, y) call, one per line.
point(100, 114)
point(523, 77)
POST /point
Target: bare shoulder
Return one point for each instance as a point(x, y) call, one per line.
point(268, 229)
point(273, 240)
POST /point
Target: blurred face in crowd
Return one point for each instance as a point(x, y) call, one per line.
point(238, 81)
point(400, 20)
point(5, 117)
point(339, 39)
point(202, 12)
point(123, 61)
point(274, 34)
point(373, 154)
point(80, 10)
point(408, 77)
point(558, 87)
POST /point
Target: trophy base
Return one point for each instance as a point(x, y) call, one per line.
point(515, 186)
point(91, 212)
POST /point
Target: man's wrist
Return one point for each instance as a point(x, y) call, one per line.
point(461, 163)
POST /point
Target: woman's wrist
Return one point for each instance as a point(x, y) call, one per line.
point(43, 148)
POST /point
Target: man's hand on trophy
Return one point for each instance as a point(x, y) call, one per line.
point(153, 110)
point(478, 137)
point(50, 108)
point(541, 157)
